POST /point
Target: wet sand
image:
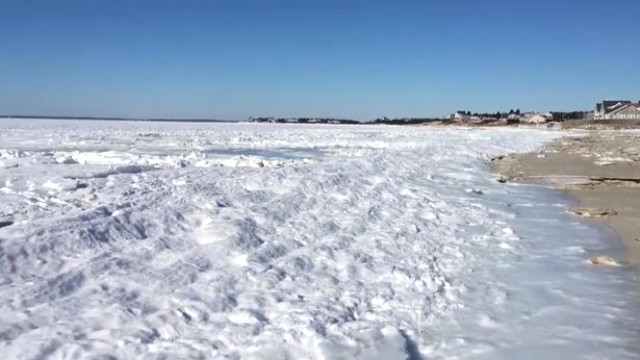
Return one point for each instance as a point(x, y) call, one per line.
point(600, 168)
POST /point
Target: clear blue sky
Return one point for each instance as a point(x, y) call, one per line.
point(353, 59)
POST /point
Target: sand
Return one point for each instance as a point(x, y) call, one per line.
point(600, 168)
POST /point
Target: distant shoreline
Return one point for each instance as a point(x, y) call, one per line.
point(446, 122)
point(115, 119)
point(403, 121)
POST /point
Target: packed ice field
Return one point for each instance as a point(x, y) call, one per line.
point(259, 241)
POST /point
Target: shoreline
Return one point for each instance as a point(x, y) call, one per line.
point(601, 170)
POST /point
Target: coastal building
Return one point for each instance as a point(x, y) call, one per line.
point(461, 115)
point(617, 110)
point(627, 112)
point(533, 118)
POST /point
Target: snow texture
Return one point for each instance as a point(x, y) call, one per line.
point(168, 240)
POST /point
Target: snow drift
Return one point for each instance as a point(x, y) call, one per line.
point(140, 240)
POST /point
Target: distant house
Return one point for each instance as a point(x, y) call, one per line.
point(461, 115)
point(626, 112)
point(617, 110)
point(537, 118)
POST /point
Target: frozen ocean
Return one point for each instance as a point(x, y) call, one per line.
point(260, 241)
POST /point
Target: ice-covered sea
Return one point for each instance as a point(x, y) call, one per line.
point(169, 241)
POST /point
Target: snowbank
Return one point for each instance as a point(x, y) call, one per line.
point(264, 241)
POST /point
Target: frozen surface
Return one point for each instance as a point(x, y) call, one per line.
point(160, 240)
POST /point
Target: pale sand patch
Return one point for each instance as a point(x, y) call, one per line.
point(601, 169)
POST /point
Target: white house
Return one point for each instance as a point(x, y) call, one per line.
point(461, 116)
point(538, 118)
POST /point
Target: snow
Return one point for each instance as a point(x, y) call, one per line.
point(263, 241)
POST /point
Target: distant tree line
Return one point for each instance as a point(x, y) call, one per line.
point(512, 116)
point(557, 116)
point(303, 120)
point(573, 115)
point(497, 115)
point(404, 121)
point(112, 118)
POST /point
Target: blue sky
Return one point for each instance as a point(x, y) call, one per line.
point(352, 59)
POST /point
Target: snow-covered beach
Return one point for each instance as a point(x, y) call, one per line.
point(143, 240)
